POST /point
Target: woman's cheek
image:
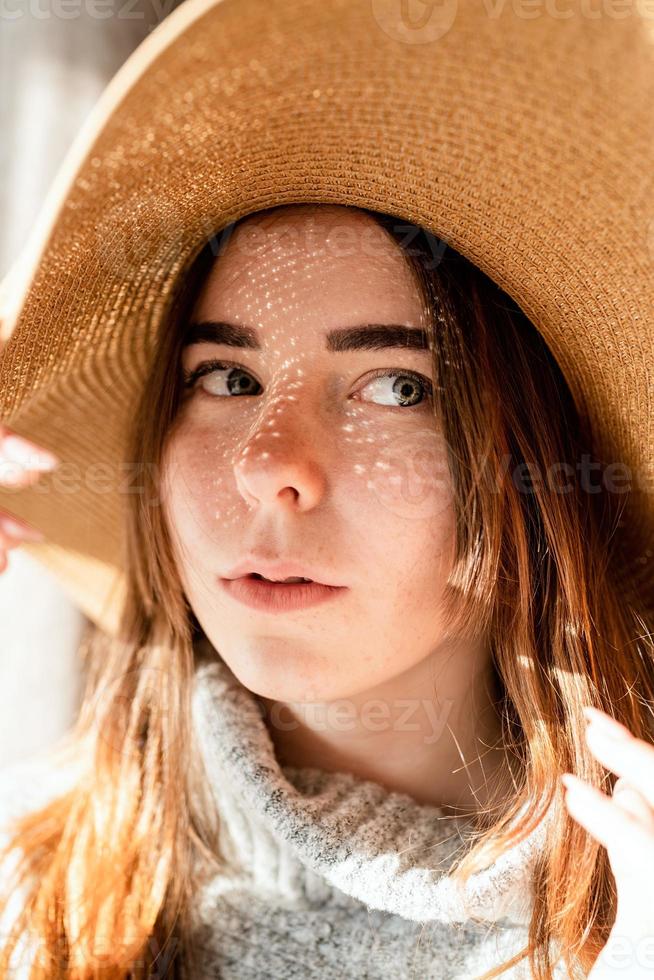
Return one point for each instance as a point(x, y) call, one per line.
point(195, 494)
point(410, 479)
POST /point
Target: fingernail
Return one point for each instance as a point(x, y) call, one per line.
point(604, 723)
point(21, 451)
point(573, 783)
point(16, 530)
point(621, 789)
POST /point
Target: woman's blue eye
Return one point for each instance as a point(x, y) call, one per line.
point(410, 388)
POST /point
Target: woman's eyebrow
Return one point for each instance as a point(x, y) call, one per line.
point(368, 336)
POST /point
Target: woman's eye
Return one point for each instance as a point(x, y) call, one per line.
point(230, 379)
point(222, 378)
point(409, 388)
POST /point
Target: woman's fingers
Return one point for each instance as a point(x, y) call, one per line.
point(21, 461)
point(626, 836)
point(14, 476)
point(623, 822)
point(627, 756)
point(627, 796)
point(13, 531)
point(21, 464)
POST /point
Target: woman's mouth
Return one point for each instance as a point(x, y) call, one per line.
point(286, 595)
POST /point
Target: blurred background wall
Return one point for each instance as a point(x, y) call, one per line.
point(56, 56)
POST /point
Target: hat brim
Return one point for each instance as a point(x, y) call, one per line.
point(524, 143)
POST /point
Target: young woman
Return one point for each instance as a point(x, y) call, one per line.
point(359, 776)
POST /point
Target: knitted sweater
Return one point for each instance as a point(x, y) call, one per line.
point(333, 876)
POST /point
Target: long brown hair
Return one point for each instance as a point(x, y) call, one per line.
point(108, 870)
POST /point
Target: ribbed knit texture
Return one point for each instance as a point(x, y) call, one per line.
point(338, 877)
point(333, 876)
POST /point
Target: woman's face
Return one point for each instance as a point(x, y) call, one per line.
point(305, 455)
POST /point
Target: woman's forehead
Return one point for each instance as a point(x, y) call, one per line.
point(292, 268)
point(301, 237)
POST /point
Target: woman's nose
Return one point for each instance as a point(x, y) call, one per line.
point(280, 465)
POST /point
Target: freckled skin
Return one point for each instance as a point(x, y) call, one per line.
point(322, 464)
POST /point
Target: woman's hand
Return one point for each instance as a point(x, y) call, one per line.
point(624, 824)
point(21, 464)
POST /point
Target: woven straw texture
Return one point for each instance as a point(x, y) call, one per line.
point(521, 137)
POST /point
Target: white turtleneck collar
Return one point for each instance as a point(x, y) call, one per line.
point(306, 833)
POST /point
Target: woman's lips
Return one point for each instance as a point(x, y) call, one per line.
point(277, 597)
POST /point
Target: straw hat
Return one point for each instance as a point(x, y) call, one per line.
point(521, 134)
